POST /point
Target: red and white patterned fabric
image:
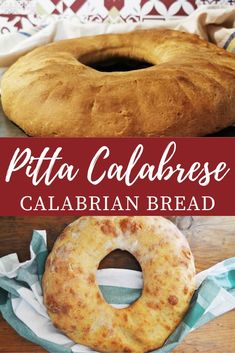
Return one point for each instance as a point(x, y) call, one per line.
point(22, 14)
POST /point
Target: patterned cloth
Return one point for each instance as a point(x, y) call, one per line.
point(20, 14)
point(21, 301)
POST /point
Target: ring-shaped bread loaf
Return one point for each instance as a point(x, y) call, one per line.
point(189, 90)
point(75, 302)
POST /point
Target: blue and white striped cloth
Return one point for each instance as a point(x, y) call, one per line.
point(21, 301)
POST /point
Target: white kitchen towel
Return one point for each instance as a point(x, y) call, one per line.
point(213, 23)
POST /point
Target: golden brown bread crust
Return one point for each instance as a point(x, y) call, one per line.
point(76, 305)
point(189, 92)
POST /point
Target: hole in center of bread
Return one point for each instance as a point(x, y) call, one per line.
point(119, 64)
point(120, 289)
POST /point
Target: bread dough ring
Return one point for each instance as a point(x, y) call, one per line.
point(190, 90)
point(76, 305)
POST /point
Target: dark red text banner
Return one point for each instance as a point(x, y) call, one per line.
point(117, 176)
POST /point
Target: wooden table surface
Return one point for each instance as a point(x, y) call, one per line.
point(7, 128)
point(211, 240)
